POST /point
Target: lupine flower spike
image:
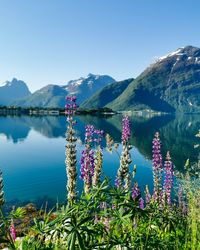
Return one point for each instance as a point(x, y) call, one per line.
point(123, 175)
point(157, 167)
point(135, 191)
point(13, 231)
point(70, 161)
point(1, 190)
point(98, 157)
point(87, 159)
point(141, 203)
point(168, 178)
point(109, 143)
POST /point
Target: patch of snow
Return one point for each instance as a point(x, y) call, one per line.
point(90, 82)
point(197, 60)
point(3, 137)
point(97, 77)
point(190, 103)
point(175, 64)
point(177, 52)
point(4, 84)
point(75, 82)
point(189, 57)
point(78, 82)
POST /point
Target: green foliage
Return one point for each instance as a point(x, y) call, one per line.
point(108, 218)
point(5, 223)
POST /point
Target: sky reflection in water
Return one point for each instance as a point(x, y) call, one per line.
point(32, 151)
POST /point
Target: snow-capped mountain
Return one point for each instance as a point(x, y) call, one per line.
point(86, 87)
point(171, 84)
point(54, 95)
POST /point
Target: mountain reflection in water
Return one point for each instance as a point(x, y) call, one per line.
point(177, 132)
point(33, 149)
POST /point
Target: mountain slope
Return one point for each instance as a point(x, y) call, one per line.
point(172, 84)
point(48, 96)
point(13, 90)
point(54, 95)
point(107, 94)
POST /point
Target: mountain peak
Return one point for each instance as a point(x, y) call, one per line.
point(188, 50)
point(13, 90)
point(91, 75)
point(54, 95)
point(172, 84)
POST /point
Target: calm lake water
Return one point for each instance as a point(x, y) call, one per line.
point(32, 151)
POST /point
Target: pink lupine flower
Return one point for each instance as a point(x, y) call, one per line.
point(13, 232)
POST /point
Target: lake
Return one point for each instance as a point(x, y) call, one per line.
point(32, 151)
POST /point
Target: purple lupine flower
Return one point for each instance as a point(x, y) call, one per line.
point(91, 163)
point(13, 232)
point(126, 131)
point(141, 203)
point(71, 98)
point(71, 106)
point(98, 135)
point(89, 131)
point(117, 183)
point(157, 166)
point(135, 191)
point(168, 178)
point(87, 165)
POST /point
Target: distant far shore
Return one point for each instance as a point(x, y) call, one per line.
point(39, 111)
point(11, 110)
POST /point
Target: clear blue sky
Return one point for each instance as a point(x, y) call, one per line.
point(52, 41)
